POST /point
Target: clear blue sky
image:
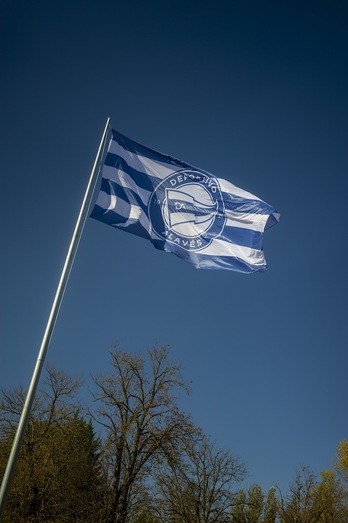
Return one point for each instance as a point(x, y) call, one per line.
point(254, 92)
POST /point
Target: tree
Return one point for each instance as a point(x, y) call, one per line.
point(271, 507)
point(341, 463)
point(58, 472)
point(299, 506)
point(196, 485)
point(238, 509)
point(331, 493)
point(251, 507)
point(138, 411)
point(317, 501)
point(330, 499)
point(255, 504)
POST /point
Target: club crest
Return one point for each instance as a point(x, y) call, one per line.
point(187, 209)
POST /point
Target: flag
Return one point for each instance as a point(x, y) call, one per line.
point(205, 220)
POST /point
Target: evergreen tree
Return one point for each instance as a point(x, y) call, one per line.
point(58, 476)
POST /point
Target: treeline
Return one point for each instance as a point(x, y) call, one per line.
point(134, 457)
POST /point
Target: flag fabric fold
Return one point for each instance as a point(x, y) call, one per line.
point(205, 220)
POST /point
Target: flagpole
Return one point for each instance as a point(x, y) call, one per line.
point(23, 422)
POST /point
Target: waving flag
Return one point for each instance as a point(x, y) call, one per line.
point(182, 209)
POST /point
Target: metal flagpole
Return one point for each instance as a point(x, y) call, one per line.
point(23, 422)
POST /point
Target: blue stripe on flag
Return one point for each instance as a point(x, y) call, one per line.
point(111, 218)
point(127, 195)
point(227, 262)
point(139, 149)
point(116, 220)
point(143, 180)
point(243, 237)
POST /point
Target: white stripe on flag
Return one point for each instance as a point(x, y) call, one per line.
point(221, 248)
point(142, 163)
point(254, 222)
point(228, 187)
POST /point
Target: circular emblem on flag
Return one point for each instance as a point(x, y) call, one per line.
point(187, 209)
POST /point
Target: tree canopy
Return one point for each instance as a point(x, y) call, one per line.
point(133, 456)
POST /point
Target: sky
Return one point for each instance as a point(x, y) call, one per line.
point(253, 91)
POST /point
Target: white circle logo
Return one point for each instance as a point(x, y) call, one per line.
point(187, 209)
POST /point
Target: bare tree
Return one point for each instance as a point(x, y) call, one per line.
point(299, 505)
point(196, 486)
point(137, 408)
point(54, 402)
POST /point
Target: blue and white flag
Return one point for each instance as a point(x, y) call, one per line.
point(205, 220)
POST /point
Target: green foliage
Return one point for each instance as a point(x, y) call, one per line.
point(312, 501)
point(252, 506)
point(330, 499)
point(58, 476)
point(341, 463)
point(271, 507)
